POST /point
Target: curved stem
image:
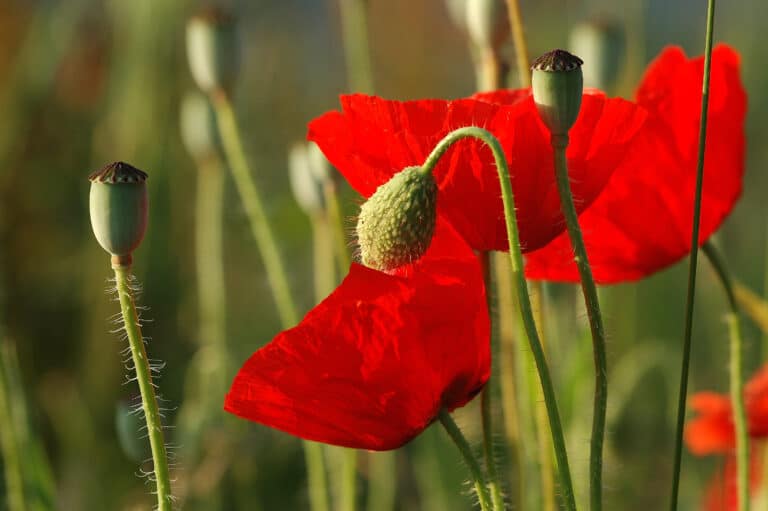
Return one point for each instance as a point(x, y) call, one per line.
point(589, 289)
point(685, 363)
point(249, 195)
point(736, 376)
point(478, 478)
point(146, 387)
point(521, 48)
point(516, 260)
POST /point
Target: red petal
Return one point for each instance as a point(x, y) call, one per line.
point(712, 430)
point(372, 139)
point(642, 221)
point(371, 366)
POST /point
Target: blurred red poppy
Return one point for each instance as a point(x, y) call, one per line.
point(372, 139)
point(722, 492)
point(642, 220)
point(373, 364)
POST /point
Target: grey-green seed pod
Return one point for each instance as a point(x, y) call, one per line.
point(119, 205)
point(212, 50)
point(198, 126)
point(396, 223)
point(557, 84)
point(601, 44)
point(309, 174)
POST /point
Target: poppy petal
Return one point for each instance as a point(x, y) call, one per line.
point(641, 222)
point(371, 139)
point(711, 431)
point(372, 365)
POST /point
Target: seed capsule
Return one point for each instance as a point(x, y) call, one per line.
point(557, 84)
point(212, 50)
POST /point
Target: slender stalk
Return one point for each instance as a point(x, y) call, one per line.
point(521, 47)
point(486, 400)
point(316, 478)
point(381, 477)
point(692, 265)
point(354, 28)
point(516, 260)
point(336, 222)
point(753, 306)
point(144, 378)
point(589, 289)
point(478, 479)
point(348, 494)
point(249, 195)
point(736, 344)
point(14, 480)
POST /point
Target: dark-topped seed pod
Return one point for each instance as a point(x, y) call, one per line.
point(557, 88)
point(212, 49)
point(396, 223)
point(118, 205)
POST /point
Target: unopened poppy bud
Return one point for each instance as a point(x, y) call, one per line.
point(198, 126)
point(396, 223)
point(601, 43)
point(212, 50)
point(557, 87)
point(487, 23)
point(309, 173)
point(118, 205)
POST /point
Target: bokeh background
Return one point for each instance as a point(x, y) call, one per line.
point(86, 82)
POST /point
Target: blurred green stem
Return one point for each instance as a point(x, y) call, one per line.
point(14, 480)
point(381, 477)
point(354, 26)
point(144, 378)
point(736, 377)
point(692, 265)
point(478, 479)
point(524, 301)
point(336, 221)
point(589, 289)
point(521, 47)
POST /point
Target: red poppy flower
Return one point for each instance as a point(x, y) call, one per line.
point(373, 364)
point(642, 220)
point(372, 139)
point(722, 491)
point(712, 430)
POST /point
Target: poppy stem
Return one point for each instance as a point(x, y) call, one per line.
point(524, 300)
point(143, 370)
point(273, 264)
point(521, 47)
point(354, 27)
point(331, 194)
point(589, 290)
point(736, 375)
point(692, 265)
point(458, 438)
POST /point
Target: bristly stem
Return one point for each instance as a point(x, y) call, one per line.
point(254, 208)
point(524, 300)
point(521, 47)
point(736, 344)
point(478, 479)
point(685, 363)
point(589, 289)
point(143, 370)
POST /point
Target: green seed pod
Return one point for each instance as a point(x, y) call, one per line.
point(396, 223)
point(601, 43)
point(309, 173)
point(198, 126)
point(118, 206)
point(557, 88)
point(212, 50)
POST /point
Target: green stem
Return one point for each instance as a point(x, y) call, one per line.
point(316, 477)
point(736, 375)
point(336, 221)
point(521, 48)
point(348, 494)
point(516, 260)
point(478, 479)
point(144, 378)
point(354, 28)
point(249, 195)
point(381, 481)
point(589, 289)
point(14, 480)
point(692, 265)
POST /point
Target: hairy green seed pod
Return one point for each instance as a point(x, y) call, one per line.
point(396, 223)
point(119, 205)
point(601, 43)
point(212, 50)
point(198, 126)
point(557, 84)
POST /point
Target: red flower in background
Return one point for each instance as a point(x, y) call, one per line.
point(373, 364)
point(372, 139)
point(722, 490)
point(642, 220)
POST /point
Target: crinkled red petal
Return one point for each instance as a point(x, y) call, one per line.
point(371, 366)
point(641, 222)
point(371, 139)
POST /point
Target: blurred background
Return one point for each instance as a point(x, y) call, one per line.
point(87, 82)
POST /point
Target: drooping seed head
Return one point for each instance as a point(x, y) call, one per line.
point(557, 84)
point(118, 206)
point(396, 223)
point(212, 50)
point(601, 43)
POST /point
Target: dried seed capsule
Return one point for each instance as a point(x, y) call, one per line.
point(212, 50)
point(557, 88)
